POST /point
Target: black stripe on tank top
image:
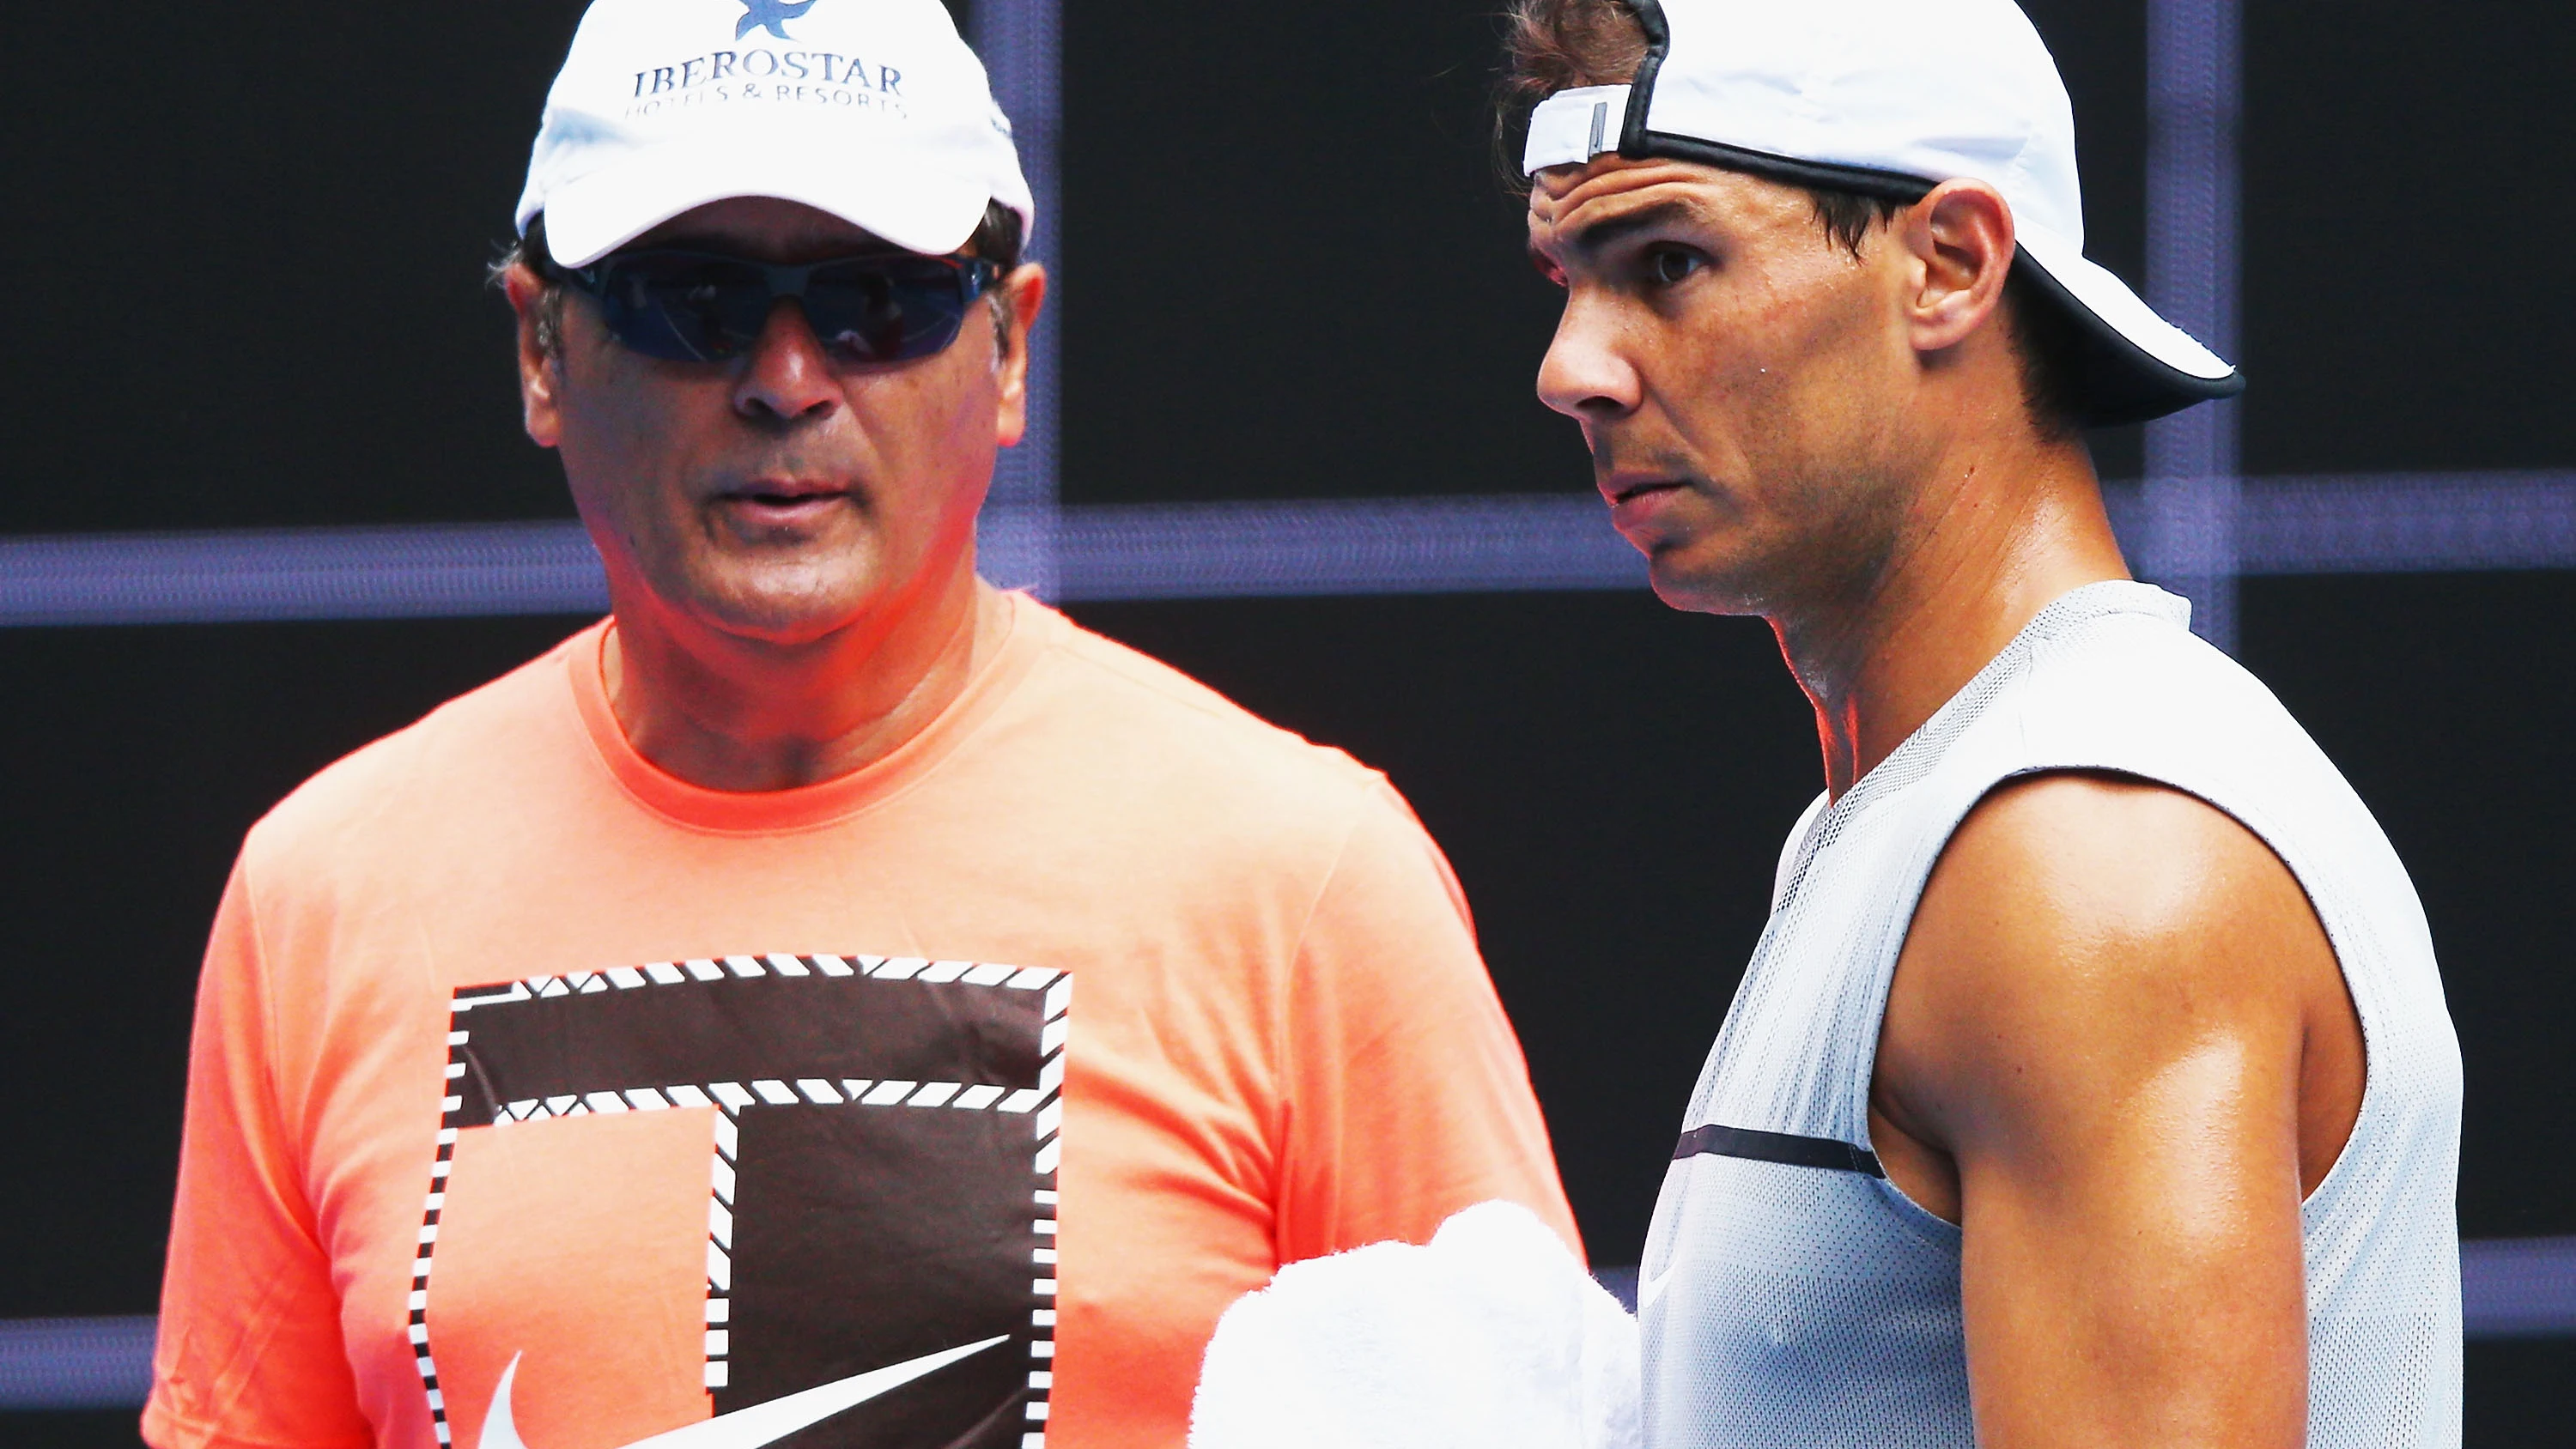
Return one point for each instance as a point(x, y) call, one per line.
point(1780, 1147)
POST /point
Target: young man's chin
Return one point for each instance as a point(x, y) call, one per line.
point(1700, 576)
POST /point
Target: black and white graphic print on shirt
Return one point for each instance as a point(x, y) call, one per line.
point(879, 1185)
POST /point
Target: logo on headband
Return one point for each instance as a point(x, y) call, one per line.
point(771, 15)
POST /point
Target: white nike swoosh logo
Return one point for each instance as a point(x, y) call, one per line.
point(1650, 1289)
point(746, 1428)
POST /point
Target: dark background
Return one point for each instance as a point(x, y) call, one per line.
point(245, 251)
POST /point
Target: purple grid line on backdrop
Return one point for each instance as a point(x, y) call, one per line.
point(432, 571)
point(2396, 523)
point(2408, 523)
point(2195, 92)
point(1374, 546)
point(2518, 1288)
point(1022, 43)
point(75, 1363)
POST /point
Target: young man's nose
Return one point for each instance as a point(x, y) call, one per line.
point(1586, 374)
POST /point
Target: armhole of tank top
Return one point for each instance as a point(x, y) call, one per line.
point(2367, 1009)
point(1918, 880)
point(1917, 1218)
point(2327, 913)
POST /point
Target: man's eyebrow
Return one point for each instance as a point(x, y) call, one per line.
point(1601, 236)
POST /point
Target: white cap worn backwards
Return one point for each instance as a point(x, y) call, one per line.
point(1889, 98)
point(872, 110)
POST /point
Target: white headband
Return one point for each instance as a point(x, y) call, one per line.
point(1571, 127)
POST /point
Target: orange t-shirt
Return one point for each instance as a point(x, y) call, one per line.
point(541, 1099)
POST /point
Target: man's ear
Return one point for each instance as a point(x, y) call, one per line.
point(1961, 238)
point(1022, 295)
point(540, 353)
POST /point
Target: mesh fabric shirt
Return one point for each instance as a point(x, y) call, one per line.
point(1791, 1296)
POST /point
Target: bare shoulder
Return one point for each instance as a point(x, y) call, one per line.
point(2104, 880)
point(2084, 936)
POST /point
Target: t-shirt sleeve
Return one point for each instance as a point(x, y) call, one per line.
point(250, 1351)
point(1409, 1099)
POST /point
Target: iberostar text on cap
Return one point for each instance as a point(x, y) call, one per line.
point(872, 110)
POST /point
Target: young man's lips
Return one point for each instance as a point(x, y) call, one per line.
point(1630, 502)
point(1619, 493)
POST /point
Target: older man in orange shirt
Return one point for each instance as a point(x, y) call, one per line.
point(831, 998)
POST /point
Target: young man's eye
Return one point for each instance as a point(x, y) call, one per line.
point(1666, 266)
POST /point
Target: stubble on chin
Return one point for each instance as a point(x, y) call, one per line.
point(1811, 545)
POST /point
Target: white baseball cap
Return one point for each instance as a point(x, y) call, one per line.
point(1889, 98)
point(872, 110)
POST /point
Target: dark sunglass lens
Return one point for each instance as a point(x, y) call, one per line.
point(887, 310)
point(684, 308)
point(694, 307)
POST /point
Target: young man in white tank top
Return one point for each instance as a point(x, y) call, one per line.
point(2092, 1084)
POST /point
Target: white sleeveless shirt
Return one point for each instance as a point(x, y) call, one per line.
point(1791, 1296)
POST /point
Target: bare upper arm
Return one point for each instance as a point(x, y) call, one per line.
point(2119, 1051)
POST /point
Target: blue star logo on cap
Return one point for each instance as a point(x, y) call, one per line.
point(772, 15)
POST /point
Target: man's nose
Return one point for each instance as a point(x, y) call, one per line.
point(787, 375)
point(1587, 374)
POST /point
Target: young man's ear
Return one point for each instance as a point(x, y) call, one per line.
point(1961, 238)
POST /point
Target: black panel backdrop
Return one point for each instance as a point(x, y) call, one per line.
point(246, 245)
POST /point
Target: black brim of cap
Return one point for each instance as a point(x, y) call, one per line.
point(2118, 381)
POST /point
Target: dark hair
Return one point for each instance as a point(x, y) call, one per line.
point(1555, 45)
point(998, 239)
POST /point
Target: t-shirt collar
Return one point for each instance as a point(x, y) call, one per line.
point(808, 806)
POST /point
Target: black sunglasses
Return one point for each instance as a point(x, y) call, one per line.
point(685, 306)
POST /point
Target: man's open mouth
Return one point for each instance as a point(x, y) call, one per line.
point(1624, 491)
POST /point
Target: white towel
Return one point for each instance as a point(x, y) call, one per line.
point(1493, 1337)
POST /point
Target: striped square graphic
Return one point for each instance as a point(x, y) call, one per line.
point(880, 1179)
